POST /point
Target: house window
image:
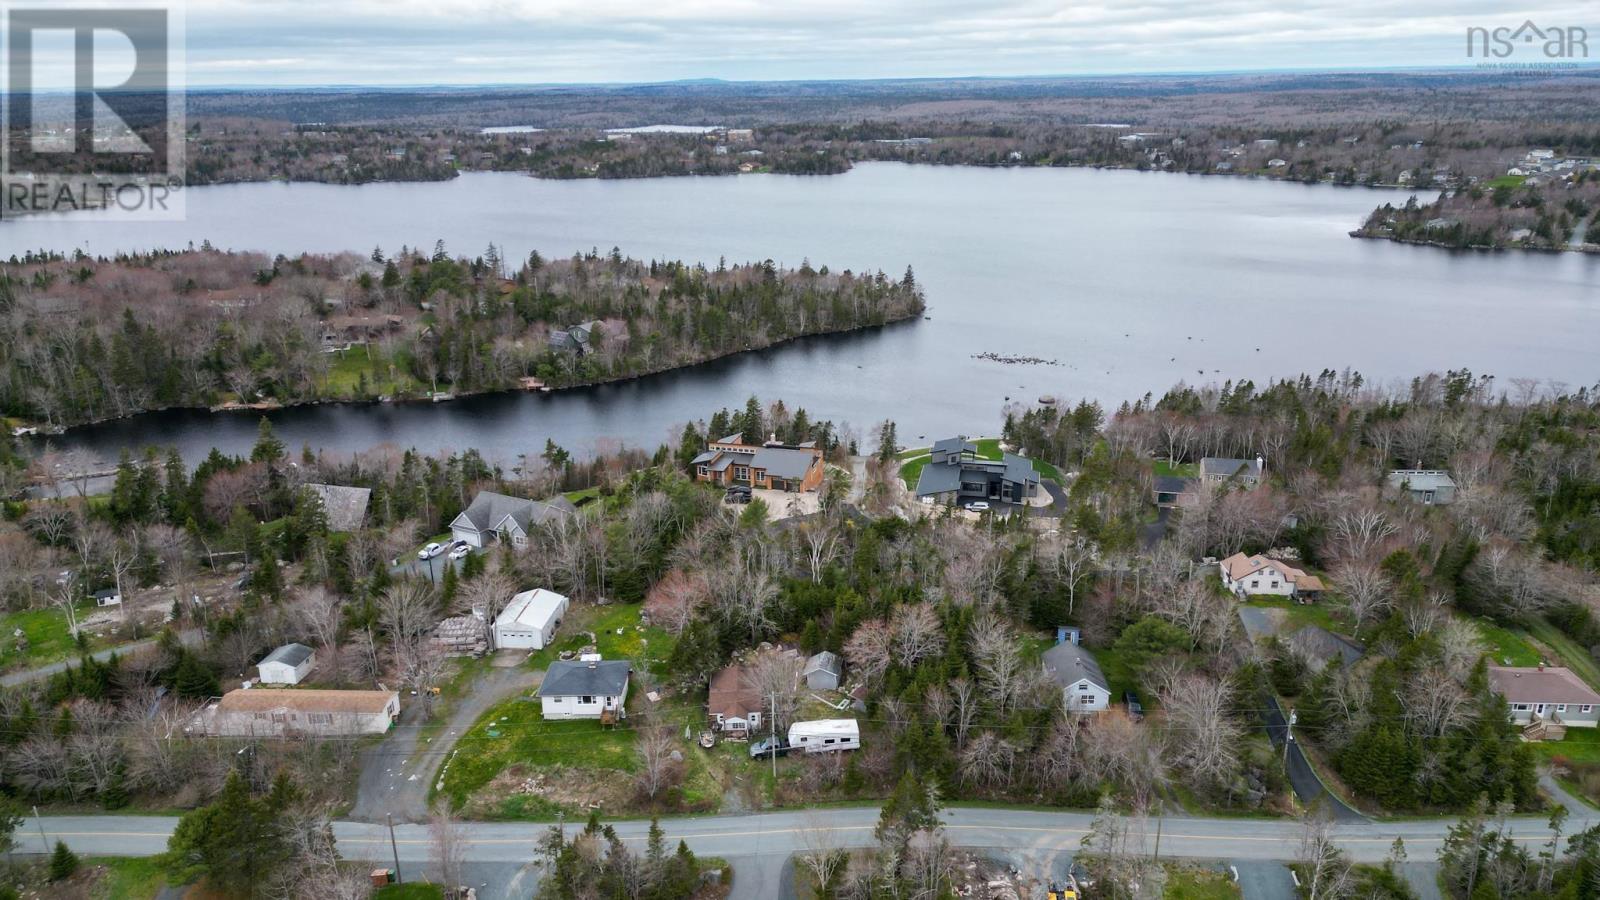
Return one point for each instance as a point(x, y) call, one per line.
point(1082, 686)
point(741, 473)
point(262, 716)
point(828, 741)
point(1085, 701)
point(1255, 582)
point(1274, 584)
point(1520, 707)
point(1586, 708)
point(586, 700)
point(1561, 707)
point(320, 718)
point(704, 471)
point(279, 718)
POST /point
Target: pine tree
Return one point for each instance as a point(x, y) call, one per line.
point(63, 862)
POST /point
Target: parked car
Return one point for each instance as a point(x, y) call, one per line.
point(765, 747)
point(1135, 708)
point(461, 550)
point(978, 506)
point(737, 495)
point(430, 551)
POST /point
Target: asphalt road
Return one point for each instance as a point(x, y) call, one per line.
point(190, 638)
point(758, 844)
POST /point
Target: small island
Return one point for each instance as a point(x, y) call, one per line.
point(100, 338)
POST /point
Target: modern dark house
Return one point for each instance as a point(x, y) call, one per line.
point(956, 474)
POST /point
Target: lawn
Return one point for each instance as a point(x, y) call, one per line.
point(1189, 882)
point(411, 891)
point(1507, 647)
point(651, 646)
point(988, 448)
point(46, 631)
point(1580, 745)
point(1511, 181)
point(347, 367)
point(1300, 614)
point(1567, 651)
point(127, 878)
point(1181, 470)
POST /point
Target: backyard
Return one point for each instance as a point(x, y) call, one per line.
point(46, 636)
point(988, 448)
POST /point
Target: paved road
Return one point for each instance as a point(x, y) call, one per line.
point(190, 638)
point(396, 774)
point(758, 844)
point(1264, 880)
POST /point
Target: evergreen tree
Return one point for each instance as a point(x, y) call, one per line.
point(63, 862)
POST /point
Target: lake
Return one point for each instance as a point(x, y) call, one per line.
point(1131, 281)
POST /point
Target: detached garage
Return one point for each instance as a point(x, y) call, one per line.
point(286, 665)
point(530, 620)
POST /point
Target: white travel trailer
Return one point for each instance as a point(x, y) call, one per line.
point(825, 735)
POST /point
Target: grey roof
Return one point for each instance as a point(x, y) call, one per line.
point(723, 462)
point(566, 678)
point(1172, 484)
point(734, 438)
point(1228, 468)
point(108, 592)
point(937, 479)
point(291, 654)
point(1422, 479)
point(940, 478)
point(1020, 469)
point(1324, 646)
point(1261, 622)
point(707, 456)
point(782, 462)
point(823, 662)
point(954, 445)
point(1069, 664)
point(346, 507)
point(489, 508)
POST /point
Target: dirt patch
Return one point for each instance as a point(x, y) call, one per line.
point(577, 789)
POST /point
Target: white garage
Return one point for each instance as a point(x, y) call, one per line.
point(286, 665)
point(530, 620)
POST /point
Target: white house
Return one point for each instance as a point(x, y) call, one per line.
point(825, 735)
point(108, 597)
point(1548, 699)
point(586, 689)
point(493, 516)
point(288, 664)
point(1084, 688)
point(283, 712)
point(529, 621)
point(1262, 575)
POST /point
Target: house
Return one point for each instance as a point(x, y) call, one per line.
point(825, 735)
point(1546, 700)
point(1427, 486)
point(288, 664)
point(586, 689)
point(530, 620)
point(771, 466)
point(1084, 688)
point(1247, 472)
point(1277, 163)
point(1263, 575)
point(956, 474)
point(288, 712)
point(344, 507)
point(497, 516)
point(1171, 490)
point(108, 597)
point(578, 339)
point(462, 635)
point(740, 135)
point(823, 671)
point(734, 704)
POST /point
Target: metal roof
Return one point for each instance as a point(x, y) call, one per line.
point(289, 654)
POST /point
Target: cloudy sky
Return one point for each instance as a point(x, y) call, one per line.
point(310, 42)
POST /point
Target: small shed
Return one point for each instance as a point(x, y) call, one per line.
point(288, 664)
point(822, 671)
point(108, 597)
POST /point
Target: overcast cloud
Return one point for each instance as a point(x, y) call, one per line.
point(304, 42)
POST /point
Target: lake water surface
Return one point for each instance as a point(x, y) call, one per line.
point(1132, 281)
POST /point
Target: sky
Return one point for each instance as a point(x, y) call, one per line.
point(393, 42)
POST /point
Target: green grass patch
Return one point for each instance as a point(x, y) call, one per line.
point(648, 647)
point(1300, 614)
point(410, 891)
point(383, 376)
point(1189, 882)
point(912, 470)
point(46, 634)
point(1181, 470)
point(1510, 181)
point(577, 498)
point(1507, 647)
point(516, 732)
point(127, 878)
point(1580, 745)
point(988, 448)
point(1567, 651)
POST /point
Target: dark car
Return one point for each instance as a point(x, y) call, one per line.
point(738, 495)
point(1135, 708)
point(765, 747)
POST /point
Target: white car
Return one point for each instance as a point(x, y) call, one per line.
point(430, 551)
point(460, 551)
point(978, 506)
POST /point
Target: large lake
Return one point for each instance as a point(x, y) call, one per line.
point(1131, 281)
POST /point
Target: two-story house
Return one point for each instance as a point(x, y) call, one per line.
point(1246, 472)
point(1084, 688)
point(493, 516)
point(1250, 576)
point(955, 474)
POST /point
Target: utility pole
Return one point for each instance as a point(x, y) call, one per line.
point(1288, 736)
point(395, 848)
point(772, 732)
point(44, 842)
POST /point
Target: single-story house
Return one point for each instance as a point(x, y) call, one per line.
point(493, 516)
point(823, 671)
point(825, 735)
point(586, 689)
point(1546, 700)
point(1247, 472)
point(462, 635)
point(1084, 688)
point(108, 597)
point(285, 712)
point(1258, 575)
point(955, 474)
point(344, 507)
point(1428, 486)
point(1170, 490)
point(733, 703)
point(288, 664)
point(530, 620)
point(770, 466)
